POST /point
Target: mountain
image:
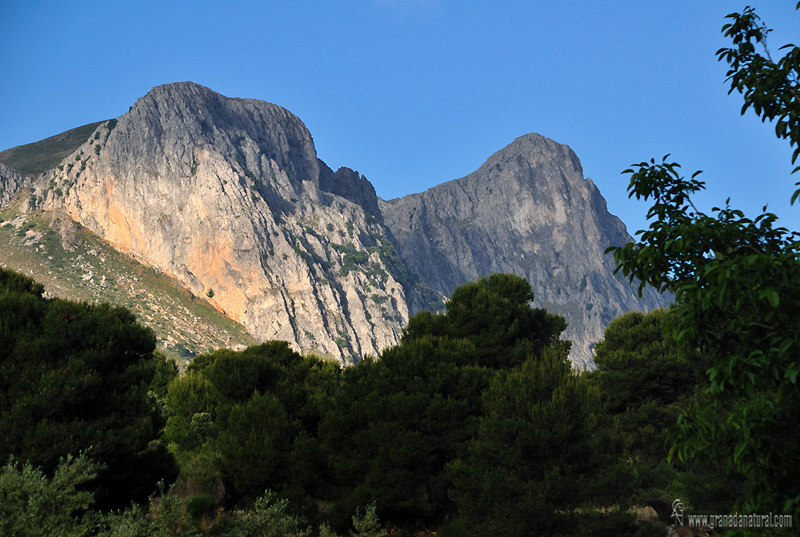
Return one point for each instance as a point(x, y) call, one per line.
point(227, 198)
point(527, 211)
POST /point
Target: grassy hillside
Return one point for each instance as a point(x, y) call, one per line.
point(38, 157)
point(90, 269)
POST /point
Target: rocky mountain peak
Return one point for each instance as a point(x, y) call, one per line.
point(535, 150)
point(181, 119)
point(529, 211)
point(228, 197)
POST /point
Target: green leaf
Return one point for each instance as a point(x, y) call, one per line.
point(772, 296)
point(791, 374)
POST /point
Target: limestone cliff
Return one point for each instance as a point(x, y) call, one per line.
point(227, 196)
point(10, 183)
point(528, 211)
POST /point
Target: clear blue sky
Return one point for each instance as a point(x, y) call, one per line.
point(416, 92)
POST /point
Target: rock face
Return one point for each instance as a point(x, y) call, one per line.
point(228, 197)
point(10, 183)
point(526, 211)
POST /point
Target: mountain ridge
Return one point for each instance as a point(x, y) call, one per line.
point(224, 195)
point(228, 196)
point(528, 211)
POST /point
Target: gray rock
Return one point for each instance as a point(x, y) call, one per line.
point(10, 183)
point(351, 186)
point(528, 211)
point(228, 197)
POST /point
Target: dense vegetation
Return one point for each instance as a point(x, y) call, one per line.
point(473, 425)
point(75, 378)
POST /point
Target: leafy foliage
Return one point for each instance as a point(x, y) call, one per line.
point(396, 423)
point(254, 442)
point(75, 376)
point(393, 424)
point(168, 515)
point(535, 453)
point(436, 427)
point(771, 88)
point(494, 314)
point(637, 363)
point(33, 504)
point(645, 379)
point(643, 376)
point(737, 288)
point(249, 419)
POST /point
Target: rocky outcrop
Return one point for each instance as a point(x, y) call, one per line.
point(228, 197)
point(10, 183)
point(351, 186)
point(527, 211)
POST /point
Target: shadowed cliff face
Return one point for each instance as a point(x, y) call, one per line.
point(10, 182)
point(228, 196)
point(224, 194)
point(526, 211)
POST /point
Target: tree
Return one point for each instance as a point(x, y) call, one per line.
point(254, 442)
point(645, 378)
point(737, 288)
point(495, 314)
point(394, 424)
point(193, 400)
point(75, 376)
point(249, 419)
point(642, 376)
point(638, 363)
point(536, 452)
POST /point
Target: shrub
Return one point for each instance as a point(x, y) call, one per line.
point(32, 503)
point(200, 506)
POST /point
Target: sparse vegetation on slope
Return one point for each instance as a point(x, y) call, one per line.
point(38, 157)
point(75, 264)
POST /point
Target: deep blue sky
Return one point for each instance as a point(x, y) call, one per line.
point(416, 92)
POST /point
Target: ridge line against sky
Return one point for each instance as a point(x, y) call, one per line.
point(413, 93)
